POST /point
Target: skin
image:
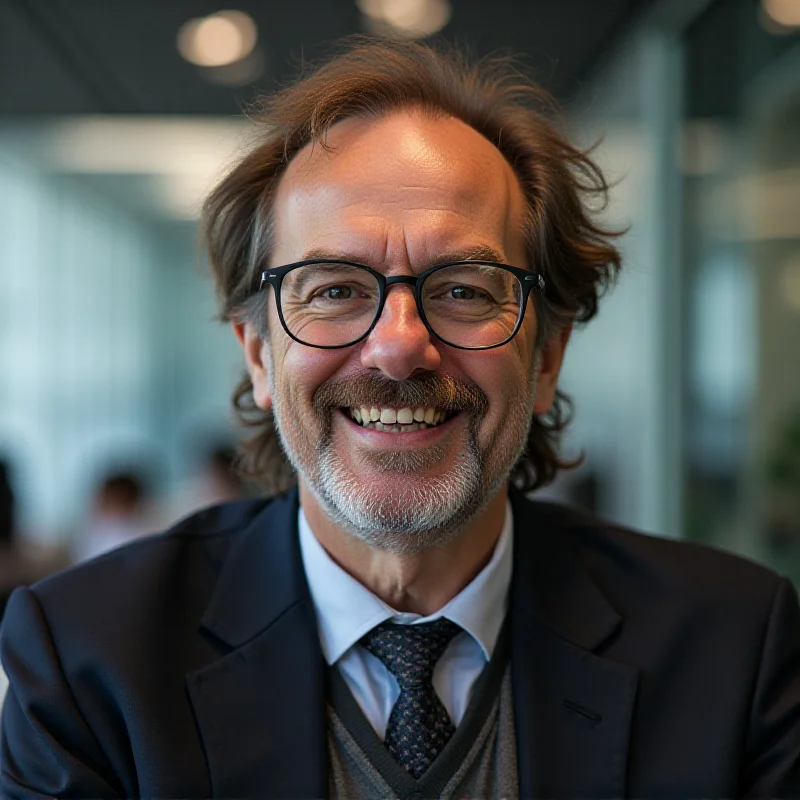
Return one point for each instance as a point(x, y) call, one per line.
point(400, 194)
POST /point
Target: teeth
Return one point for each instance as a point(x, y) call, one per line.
point(388, 416)
point(405, 416)
point(379, 426)
point(397, 420)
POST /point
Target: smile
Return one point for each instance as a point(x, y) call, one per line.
point(398, 420)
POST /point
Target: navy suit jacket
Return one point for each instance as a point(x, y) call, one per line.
point(188, 665)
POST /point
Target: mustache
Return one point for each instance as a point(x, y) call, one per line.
point(435, 390)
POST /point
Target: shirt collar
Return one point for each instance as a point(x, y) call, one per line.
point(346, 609)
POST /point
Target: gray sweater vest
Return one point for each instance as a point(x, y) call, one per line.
point(480, 760)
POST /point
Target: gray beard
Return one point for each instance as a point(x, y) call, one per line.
point(430, 514)
point(434, 511)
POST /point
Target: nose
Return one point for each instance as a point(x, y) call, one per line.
point(399, 344)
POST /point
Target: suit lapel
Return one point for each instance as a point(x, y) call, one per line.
point(572, 707)
point(260, 709)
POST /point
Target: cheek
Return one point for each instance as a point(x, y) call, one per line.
point(304, 369)
point(502, 374)
point(509, 367)
point(294, 364)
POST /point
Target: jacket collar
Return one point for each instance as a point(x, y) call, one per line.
point(260, 709)
point(551, 580)
point(262, 577)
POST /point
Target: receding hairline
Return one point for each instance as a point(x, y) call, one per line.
point(302, 163)
point(320, 145)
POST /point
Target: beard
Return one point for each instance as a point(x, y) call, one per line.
point(404, 516)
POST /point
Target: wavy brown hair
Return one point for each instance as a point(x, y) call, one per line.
point(562, 186)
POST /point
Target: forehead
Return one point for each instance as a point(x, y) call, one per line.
point(406, 179)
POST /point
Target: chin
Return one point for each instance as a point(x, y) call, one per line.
point(405, 516)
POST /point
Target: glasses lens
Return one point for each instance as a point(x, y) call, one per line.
point(327, 304)
point(472, 305)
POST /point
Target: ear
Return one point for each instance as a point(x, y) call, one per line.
point(256, 356)
point(551, 356)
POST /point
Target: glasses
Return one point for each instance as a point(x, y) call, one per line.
point(471, 305)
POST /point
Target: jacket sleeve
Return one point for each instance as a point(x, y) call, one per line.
point(771, 765)
point(46, 748)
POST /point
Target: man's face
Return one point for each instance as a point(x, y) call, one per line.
point(400, 194)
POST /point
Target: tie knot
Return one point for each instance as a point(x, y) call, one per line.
point(410, 652)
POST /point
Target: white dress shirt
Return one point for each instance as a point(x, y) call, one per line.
point(346, 610)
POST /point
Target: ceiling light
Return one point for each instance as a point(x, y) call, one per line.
point(784, 12)
point(372, 8)
point(413, 19)
point(241, 73)
point(217, 40)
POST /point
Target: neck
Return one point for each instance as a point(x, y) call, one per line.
point(421, 583)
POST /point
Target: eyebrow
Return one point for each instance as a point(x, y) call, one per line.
point(478, 252)
point(298, 284)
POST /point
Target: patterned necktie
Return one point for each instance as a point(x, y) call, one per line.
point(419, 726)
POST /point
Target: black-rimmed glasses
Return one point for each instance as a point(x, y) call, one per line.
point(472, 305)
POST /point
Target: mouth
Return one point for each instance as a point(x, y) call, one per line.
point(398, 420)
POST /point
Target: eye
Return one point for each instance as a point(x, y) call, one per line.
point(337, 293)
point(462, 293)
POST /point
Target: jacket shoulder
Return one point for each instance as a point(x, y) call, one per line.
point(621, 558)
point(164, 581)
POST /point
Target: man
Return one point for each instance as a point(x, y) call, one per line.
point(402, 258)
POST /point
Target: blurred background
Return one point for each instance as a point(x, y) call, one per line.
point(115, 378)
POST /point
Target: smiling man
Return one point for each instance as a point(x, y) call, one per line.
point(402, 258)
point(402, 444)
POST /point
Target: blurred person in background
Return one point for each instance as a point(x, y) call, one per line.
point(118, 514)
point(20, 564)
point(215, 480)
point(402, 258)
